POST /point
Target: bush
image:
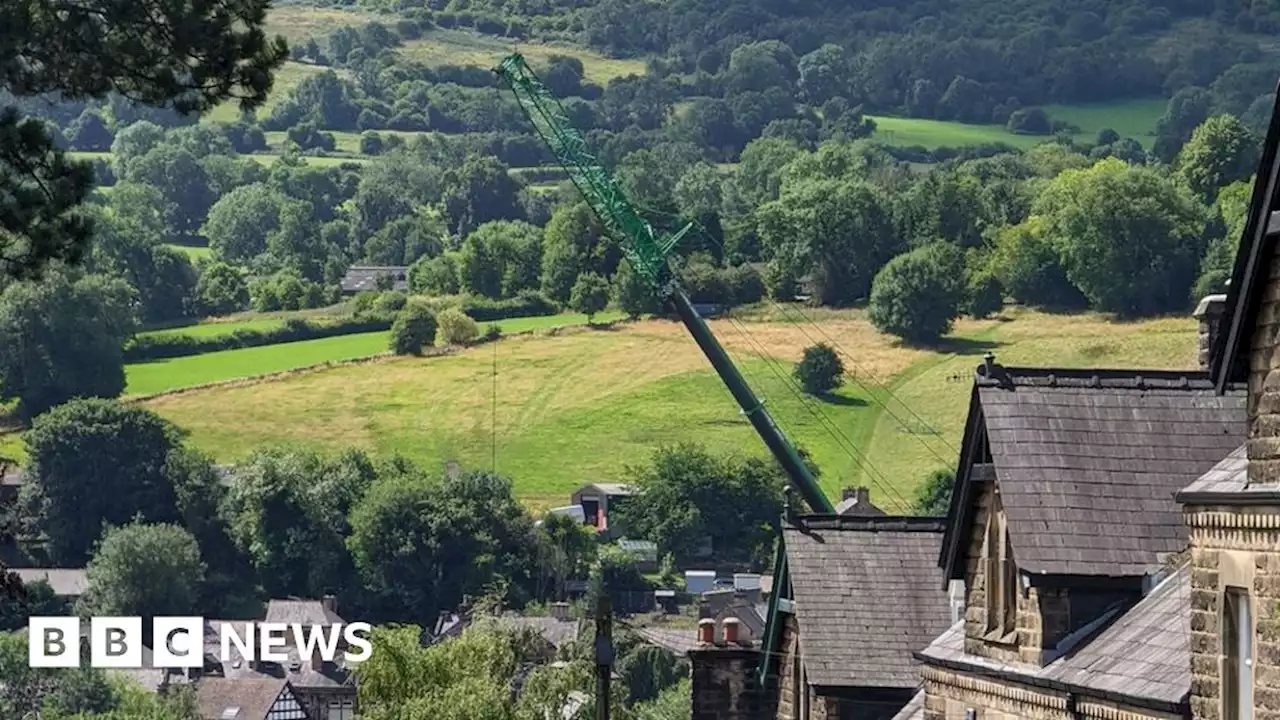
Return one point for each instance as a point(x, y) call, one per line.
point(414, 328)
point(820, 370)
point(390, 302)
point(1031, 121)
point(933, 498)
point(525, 304)
point(983, 295)
point(456, 328)
point(918, 294)
point(370, 143)
point(171, 345)
point(492, 331)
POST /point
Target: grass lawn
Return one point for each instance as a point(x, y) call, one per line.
point(446, 46)
point(586, 403)
point(173, 373)
point(1131, 118)
point(215, 329)
point(195, 252)
point(286, 78)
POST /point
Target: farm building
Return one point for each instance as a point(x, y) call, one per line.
point(597, 499)
point(361, 278)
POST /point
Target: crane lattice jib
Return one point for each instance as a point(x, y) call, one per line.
point(645, 251)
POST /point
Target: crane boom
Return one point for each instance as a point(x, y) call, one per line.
point(647, 253)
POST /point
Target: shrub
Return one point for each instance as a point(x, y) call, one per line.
point(744, 284)
point(933, 498)
point(456, 328)
point(590, 294)
point(492, 331)
point(918, 294)
point(390, 302)
point(370, 143)
point(820, 370)
point(1030, 121)
point(413, 329)
point(983, 295)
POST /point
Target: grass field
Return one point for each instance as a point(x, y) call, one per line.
point(586, 403)
point(195, 252)
point(217, 329)
point(173, 373)
point(465, 47)
point(286, 78)
point(1131, 118)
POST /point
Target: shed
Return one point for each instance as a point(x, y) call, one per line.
point(643, 553)
point(699, 581)
point(597, 499)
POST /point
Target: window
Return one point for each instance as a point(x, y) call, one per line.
point(342, 710)
point(1237, 655)
point(1001, 577)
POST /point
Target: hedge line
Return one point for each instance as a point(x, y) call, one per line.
point(480, 309)
point(171, 345)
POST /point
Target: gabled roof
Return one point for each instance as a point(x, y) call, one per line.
point(1088, 462)
point(65, 582)
point(1144, 657)
point(365, 277)
point(303, 612)
point(867, 593)
point(1253, 262)
point(1227, 483)
point(607, 489)
point(237, 698)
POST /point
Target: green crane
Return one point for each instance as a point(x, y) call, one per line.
point(647, 253)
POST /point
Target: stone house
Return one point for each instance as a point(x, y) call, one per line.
point(249, 699)
point(866, 592)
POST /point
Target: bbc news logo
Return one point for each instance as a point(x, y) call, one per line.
point(116, 642)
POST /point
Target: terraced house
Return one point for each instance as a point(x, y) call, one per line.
point(1118, 532)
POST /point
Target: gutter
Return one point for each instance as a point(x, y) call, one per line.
point(1243, 498)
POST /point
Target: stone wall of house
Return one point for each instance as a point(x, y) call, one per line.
point(1234, 547)
point(950, 695)
point(724, 683)
point(789, 643)
point(1264, 385)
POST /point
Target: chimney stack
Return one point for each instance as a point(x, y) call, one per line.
point(317, 662)
point(560, 610)
point(1209, 313)
point(730, 631)
point(330, 603)
point(706, 631)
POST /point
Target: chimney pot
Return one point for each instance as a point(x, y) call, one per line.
point(706, 631)
point(560, 610)
point(730, 631)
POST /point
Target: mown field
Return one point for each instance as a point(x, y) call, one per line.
point(1131, 118)
point(170, 374)
point(584, 404)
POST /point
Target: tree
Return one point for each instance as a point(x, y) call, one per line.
point(1030, 121)
point(1220, 152)
point(156, 53)
point(590, 295)
point(838, 231)
point(983, 294)
point(820, 370)
point(1029, 267)
point(688, 496)
point(918, 294)
point(89, 132)
point(456, 328)
point(288, 511)
point(501, 258)
point(146, 570)
point(19, 601)
point(371, 144)
point(933, 498)
point(633, 294)
point(93, 462)
point(424, 542)
point(238, 224)
point(573, 244)
point(221, 289)
point(64, 339)
point(1129, 237)
point(478, 191)
point(176, 172)
point(413, 329)
point(434, 275)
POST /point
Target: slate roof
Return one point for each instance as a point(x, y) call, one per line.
point(1088, 463)
point(556, 632)
point(360, 278)
point(253, 696)
point(678, 641)
point(302, 612)
point(607, 489)
point(1249, 276)
point(65, 582)
point(1144, 656)
point(1228, 483)
point(867, 593)
point(297, 670)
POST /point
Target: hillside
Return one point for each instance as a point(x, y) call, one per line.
point(583, 404)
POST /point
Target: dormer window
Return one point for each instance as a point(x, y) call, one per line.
point(1001, 577)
